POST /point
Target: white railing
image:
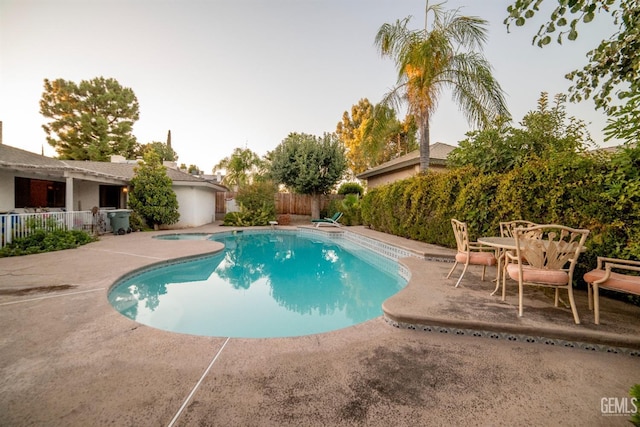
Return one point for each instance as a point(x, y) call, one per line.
point(16, 225)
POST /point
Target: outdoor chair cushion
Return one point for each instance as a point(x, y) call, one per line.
point(538, 275)
point(616, 281)
point(478, 258)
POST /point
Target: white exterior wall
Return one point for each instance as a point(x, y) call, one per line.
point(197, 206)
point(7, 190)
point(86, 195)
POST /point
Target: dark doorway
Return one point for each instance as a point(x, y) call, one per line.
point(110, 196)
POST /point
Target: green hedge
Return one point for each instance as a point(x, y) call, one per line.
point(582, 191)
point(46, 241)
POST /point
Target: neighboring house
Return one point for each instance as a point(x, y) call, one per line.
point(406, 166)
point(29, 180)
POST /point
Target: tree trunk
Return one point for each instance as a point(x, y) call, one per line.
point(315, 206)
point(425, 154)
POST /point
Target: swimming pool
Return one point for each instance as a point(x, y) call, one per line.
point(263, 284)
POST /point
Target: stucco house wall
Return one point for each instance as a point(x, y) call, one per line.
point(197, 206)
point(86, 195)
point(396, 175)
point(406, 166)
point(7, 197)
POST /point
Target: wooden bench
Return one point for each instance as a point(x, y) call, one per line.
point(603, 277)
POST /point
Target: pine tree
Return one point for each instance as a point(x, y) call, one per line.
point(91, 120)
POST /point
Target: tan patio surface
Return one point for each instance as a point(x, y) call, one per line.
point(67, 358)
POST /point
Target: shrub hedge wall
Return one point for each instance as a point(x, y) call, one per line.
point(581, 191)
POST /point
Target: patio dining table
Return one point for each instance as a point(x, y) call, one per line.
point(502, 245)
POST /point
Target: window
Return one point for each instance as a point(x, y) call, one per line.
point(39, 193)
point(110, 196)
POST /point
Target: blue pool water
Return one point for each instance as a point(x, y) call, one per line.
point(262, 285)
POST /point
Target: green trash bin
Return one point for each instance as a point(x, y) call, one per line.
point(119, 221)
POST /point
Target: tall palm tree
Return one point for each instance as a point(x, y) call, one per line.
point(448, 56)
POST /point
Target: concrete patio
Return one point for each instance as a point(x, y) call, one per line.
point(442, 356)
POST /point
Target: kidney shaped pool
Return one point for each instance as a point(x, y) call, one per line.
point(263, 284)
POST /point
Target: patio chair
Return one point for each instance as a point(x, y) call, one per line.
point(604, 278)
point(333, 221)
point(506, 230)
point(470, 253)
point(551, 252)
point(507, 227)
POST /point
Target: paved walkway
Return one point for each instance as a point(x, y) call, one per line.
point(68, 358)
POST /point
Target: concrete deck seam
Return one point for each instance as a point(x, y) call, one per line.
point(195, 388)
point(51, 296)
point(128, 254)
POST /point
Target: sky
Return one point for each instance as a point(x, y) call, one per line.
point(222, 74)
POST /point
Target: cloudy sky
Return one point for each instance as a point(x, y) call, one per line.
point(222, 74)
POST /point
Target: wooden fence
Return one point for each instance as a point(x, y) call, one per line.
point(286, 203)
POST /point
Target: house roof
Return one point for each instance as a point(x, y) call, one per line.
point(11, 156)
point(126, 171)
point(438, 156)
point(15, 158)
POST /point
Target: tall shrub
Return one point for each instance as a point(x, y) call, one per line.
point(257, 205)
point(152, 195)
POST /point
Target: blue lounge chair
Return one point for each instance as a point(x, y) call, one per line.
point(328, 221)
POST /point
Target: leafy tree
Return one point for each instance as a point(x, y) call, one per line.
point(624, 120)
point(544, 132)
point(164, 151)
point(309, 165)
point(91, 120)
point(612, 75)
point(393, 137)
point(152, 195)
point(193, 169)
point(239, 166)
point(371, 142)
point(443, 57)
point(351, 131)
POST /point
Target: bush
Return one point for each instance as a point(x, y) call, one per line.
point(351, 188)
point(257, 206)
point(137, 223)
point(634, 392)
point(258, 196)
point(152, 195)
point(350, 208)
point(246, 218)
point(46, 241)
